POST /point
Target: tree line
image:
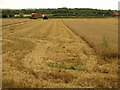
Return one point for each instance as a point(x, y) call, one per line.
point(59, 12)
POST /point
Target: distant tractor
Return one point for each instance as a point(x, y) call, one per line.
point(45, 17)
point(33, 16)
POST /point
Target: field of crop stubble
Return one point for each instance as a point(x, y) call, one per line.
point(100, 34)
point(51, 53)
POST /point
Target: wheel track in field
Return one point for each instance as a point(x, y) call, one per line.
point(22, 30)
point(56, 35)
point(17, 23)
point(53, 42)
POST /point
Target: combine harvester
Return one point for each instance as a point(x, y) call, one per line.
point(33, 16)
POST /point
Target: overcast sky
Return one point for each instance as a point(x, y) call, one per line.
point(96, 4)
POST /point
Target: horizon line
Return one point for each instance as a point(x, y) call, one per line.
point(57, 8)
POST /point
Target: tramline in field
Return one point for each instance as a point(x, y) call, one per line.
point(52, 53)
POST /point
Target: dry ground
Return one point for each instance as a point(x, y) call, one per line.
point(47, 54)
point(100, 34)
point(11, 21)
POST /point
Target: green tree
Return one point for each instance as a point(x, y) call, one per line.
point(21, 14)
point(4, 15)
point(11, 15)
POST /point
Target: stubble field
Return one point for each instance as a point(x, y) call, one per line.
point(100, 34)
point(54, 54)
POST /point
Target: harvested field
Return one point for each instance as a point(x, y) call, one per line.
point(7, 22)
point(100, 34)
point(47, 54)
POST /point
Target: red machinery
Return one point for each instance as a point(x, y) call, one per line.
point(33, 16)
